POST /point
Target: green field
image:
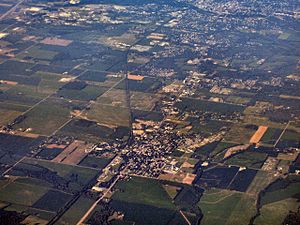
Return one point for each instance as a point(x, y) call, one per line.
point(46, 117)
point(277, 200)
point(143, 101)
point(91, 131)
point(281, 193)
point(190, 104)
point(34, 181)
point(271, 135)
point(144, 201)
point(239, 134)
point(290, 135)
point(23, 194)
point(50, 82)
point(208, 127)
point(261, 180)
point(24, 95)
point(114, 97)
point(148, 84)
point(237, 100)
point(76, 212)
point(108, 115)
point(146, 214)
point(217, 207)
point(243, 212)
point(94, 162)
point(90, 92)
point(274, 213)
point(171, 190)
point(43, 188)
point(8, 116)
point(248, 159)
point(226, 207)
point(36, 52)
point(260, 120)
point(65, 177)
point(143, 191)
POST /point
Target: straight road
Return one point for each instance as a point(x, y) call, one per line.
point(287, 125)
point(11, 10)
point(97, 202)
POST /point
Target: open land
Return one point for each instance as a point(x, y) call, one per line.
point(149, 112)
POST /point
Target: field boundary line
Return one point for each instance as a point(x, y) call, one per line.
point(282, 133)
point(185, 218)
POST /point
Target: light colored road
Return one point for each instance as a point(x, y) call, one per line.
point(185, 218)
point(10, 168)
point(11, 10)
point(97, 202)
point(219, 200)
point(282, 134)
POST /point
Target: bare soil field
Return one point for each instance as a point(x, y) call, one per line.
point(56, 41)
point(73, 154)
point(135, 77)
point(258, 134)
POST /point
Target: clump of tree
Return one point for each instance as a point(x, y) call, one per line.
point(101, 215)
point(293, 218)
point(11, 217)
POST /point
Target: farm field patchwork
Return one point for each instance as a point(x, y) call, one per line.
point(149, 112)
